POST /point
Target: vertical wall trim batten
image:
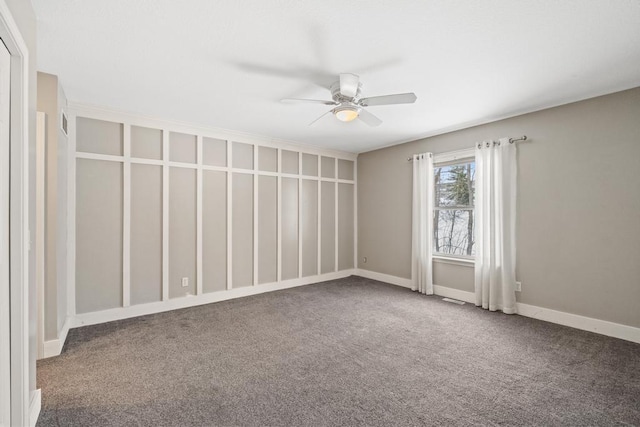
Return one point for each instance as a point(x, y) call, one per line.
point(355, 213)
point(199, 229)
point(336, 213)
point(165, 215)
point(255, 215)
point(126, 217)
point(279, 277)
point(300, 215)
point(319, 214)
point(71, 218)
point(229, 215)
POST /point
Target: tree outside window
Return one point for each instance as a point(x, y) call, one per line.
point(453, 221)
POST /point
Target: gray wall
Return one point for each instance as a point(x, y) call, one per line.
point(214, 239)
point(51, 101)
point(100, 217)
point(268, 229)
point(289, 228)
point(182, 231)
point(309, 227)
point(328, 227)
point(48, 104)
point(345, 227)
point(146, 238)
point(242, 229)
point(578, 231)
point(99, 235)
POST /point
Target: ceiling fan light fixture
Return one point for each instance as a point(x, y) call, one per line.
point(347, 114)
point(348, 104)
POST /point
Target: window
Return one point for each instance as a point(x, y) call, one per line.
point(453, 218)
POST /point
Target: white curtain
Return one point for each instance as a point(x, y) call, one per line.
point(422, 223)
point(495, 268)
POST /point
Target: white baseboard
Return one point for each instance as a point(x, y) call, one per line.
point(192, 301)
point(603, 327)
point(446, 292)
point(34, 407)
point(387, 278)
point(611, 329)
point(407, 283)
point(54, 347)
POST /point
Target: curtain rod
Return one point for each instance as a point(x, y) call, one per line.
point(511, 141)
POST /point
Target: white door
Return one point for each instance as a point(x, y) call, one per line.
point(5, 362)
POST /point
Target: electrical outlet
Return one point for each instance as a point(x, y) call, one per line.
point(518, 286)
point(364, 260)
point(185, 282)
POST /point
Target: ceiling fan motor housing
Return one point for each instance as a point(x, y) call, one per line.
point(340, 98)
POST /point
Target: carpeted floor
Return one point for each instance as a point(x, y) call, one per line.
point(347, 352)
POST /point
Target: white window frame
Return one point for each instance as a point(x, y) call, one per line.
point(448, 157)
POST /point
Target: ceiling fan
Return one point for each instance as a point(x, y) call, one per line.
point(349, 105)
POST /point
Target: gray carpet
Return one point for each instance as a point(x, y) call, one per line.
point(346, 352)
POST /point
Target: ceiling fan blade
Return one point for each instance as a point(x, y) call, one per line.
point(398, 98)
point(349, 84)
point(316, 120)
point(307, 101)
point(369, 118)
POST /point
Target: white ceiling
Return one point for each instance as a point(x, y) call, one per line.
point(226, 63)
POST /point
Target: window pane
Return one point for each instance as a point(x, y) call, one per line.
point(455, 184)
point(453, 231)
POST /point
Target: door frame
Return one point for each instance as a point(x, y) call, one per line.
point(21, 366)
point(5, 277)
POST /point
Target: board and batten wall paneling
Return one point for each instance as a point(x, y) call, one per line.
point(178, 202)
point(146, 143)
point(268, 159)
point(242, 229)
point(328, 227)
point(309, 226)
point(242, 155)
point(182, 231)
point(268, 229)
point(98, 235)
point(345, 226)
point(99, 137)
point(328, 167)
point(214, 152)
point(289, 227)
point(214, 219)
point(146, 233)
point(290, 162)
point(182, 147)
point(309, 164)
point(345, 169)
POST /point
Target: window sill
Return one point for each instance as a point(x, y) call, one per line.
point(465, 262)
